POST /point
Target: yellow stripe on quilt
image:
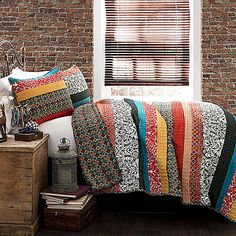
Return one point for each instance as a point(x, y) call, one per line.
point(46, 88)
point(162, 152)
point(187, 152)
point(232, 212)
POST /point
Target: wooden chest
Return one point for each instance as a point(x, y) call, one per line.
point(72, 220)
point(23, 174)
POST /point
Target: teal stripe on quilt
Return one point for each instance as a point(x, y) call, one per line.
point(82, 102)
point(228, 179)
point(142, 138)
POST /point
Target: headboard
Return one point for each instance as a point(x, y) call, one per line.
point(10, 58)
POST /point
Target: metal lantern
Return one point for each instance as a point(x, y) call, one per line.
point(64, 168)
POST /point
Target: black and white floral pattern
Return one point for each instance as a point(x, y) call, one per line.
point(214, 130)
point(127, 149)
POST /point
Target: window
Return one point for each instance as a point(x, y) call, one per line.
point(155, 51)
point(147, 42)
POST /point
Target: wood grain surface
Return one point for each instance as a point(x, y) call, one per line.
point(23, 174)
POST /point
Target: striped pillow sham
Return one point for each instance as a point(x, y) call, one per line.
point(77, 86)
point(48, 98)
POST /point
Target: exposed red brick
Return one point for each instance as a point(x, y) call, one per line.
point(55, 32)
point(219, 52)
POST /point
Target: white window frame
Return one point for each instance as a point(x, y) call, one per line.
point(101, 91)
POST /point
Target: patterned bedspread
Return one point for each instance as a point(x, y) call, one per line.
point(182, 149)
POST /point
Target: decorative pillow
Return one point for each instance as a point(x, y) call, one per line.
point(48, 98)
point(77, 86)
point(19, 75)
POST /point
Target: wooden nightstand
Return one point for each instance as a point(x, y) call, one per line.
point(23, 174)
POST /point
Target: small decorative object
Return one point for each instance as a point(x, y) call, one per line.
point(29, 132)
point(15, 117)
point(3, 133)
point(8, 102)
point(64, 168)
point(23, 109)
point(30, 127)
point(32, 124)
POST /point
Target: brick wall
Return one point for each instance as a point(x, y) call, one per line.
point(219, 52)
point(55, 32)
point(60, 32)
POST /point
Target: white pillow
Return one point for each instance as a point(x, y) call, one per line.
point(5, 87)
point(57, 129)
point(20, 74)
point(5, 92)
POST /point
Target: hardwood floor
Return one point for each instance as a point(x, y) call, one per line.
point(139, 214)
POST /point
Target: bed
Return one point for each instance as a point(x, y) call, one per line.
point(180, 149)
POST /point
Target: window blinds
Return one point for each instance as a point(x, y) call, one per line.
point(147, 42)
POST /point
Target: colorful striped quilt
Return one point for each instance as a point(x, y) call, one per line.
point(184, 149)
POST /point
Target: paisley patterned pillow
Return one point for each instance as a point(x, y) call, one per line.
point(77, 86)
point(48, 98)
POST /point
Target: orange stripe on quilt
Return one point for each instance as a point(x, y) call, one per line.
point(106, 112)
point(33, 92)
point(187, 152)
point(196, 156)
point(178, 116)
point(162, 152)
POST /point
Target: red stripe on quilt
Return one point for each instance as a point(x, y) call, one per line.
point(188, 133)
point(178, 115)
point(151, 146)
point(230, 197)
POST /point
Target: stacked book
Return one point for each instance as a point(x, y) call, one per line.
point(75, 200)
